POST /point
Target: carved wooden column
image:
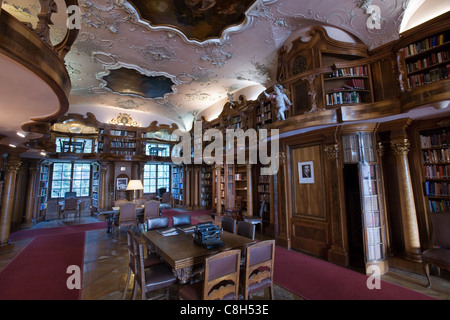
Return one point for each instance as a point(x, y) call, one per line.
point(103, 186)
point(196, 187)
point(408, 208)
point(337, 253)
point(31, 195)
point(187, 188)
point(218, 169)
point(12, 168)
point(282, 203)
point(249, 190)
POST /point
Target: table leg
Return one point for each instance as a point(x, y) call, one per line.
point(184, 274)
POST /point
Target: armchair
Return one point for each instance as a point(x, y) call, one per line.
point(439, 253)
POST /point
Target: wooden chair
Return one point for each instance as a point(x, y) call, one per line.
point(153, 278)
point(246, 229)
point(221, 279)
point(166, 200)
point(256, 219)
point(127, 217)
point(258, 272)
point(150, 260)
point(151, 210)
point(118, 203)
point(70, 206)
point(229, 224)
point(181, 220)
point(439, 253)
point(157, 223)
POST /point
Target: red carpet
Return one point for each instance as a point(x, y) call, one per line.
point(32, 233)
point(314, 279)
point(39, 271)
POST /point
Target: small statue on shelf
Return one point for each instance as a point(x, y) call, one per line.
point(282, 102)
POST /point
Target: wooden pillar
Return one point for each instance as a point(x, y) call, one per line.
point(249, 190)
point(103, 186)
point(31, 196)
point(218, 169)
point(196, 187)
point(6, 212)
point(408, 209)
point(337, 253)
point(282, 208)
point(187, 188)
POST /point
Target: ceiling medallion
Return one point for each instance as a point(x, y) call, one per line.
point(124, 119)
point(198, 20)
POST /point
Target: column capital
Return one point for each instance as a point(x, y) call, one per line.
point(331, 151)
point(400, 147)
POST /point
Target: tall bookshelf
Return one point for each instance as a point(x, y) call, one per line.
point(240, 187)
point(359, 150)
point(43, 187)
point(206, 186)
point(427, 60)
point(177, 186)
point(95, 186)
point(435, 150)
point(263, 114)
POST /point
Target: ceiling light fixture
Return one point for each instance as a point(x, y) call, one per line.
point(12, 145)
point(21, 134)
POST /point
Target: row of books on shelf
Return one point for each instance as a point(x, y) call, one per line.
point(372, 220)
point(239, 176)
point(122, 144)
point(428, 61)
point(439, 205)
point(436, 171)
point(440, 139)
point(264, 179)
point(123, 152)
point(206, 196)
point(177, 196)
point(265, 188)
point(374, 252)
point(349, 72)
point(336, 98)
point(264, 117)
point(426, 44)
point(430, 76)
point(122, 133)
point(436, 155)
point(437, 189)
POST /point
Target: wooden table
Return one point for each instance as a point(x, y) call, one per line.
point(182, 253)
point(114, 214)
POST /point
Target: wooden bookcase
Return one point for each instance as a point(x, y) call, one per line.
point(435, 159)
point(240, 188)
point(359, 152)
point(345, 85)
point(206, 187)
point(43, 188)
point(123, 142)
point(95, 186)
point(427, 60)
point(177, 185)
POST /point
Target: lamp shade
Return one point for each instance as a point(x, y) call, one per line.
point(135, 185)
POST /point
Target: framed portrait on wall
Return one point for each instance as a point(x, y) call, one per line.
point(306, 172)
point(122, 183)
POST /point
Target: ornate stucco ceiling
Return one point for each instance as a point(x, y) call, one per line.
point(203, 68)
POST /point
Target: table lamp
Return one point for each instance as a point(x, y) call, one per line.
point(135, 185)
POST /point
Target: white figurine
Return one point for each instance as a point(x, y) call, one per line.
point(282, 102)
